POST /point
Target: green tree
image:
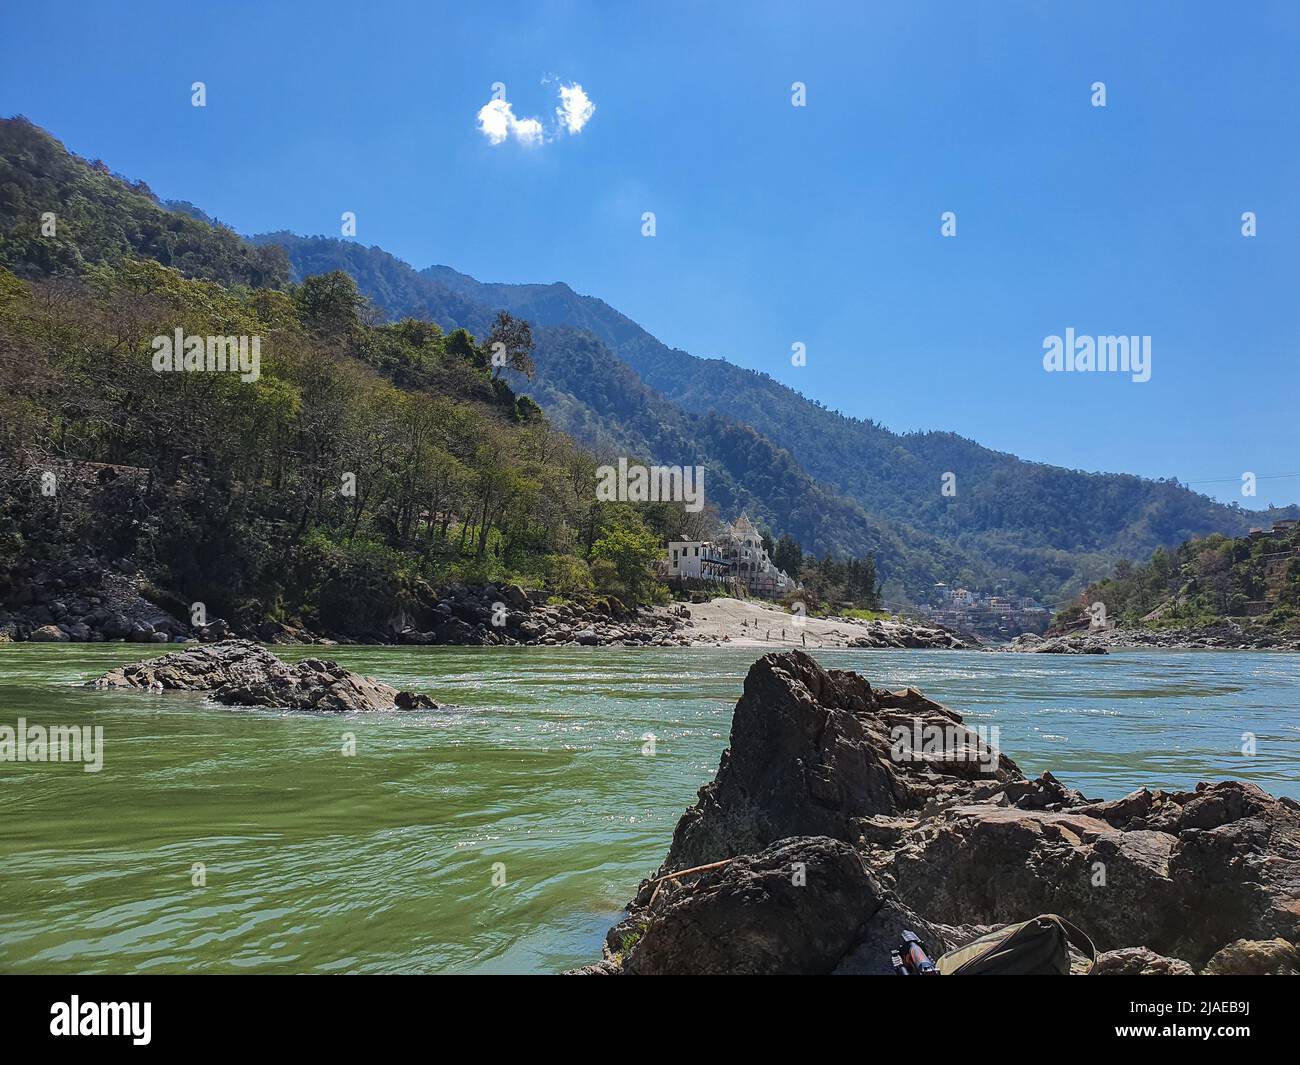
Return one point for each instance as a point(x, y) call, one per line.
point(631, 549)
point(788, 555)
point(330, 303)
point(510, 345)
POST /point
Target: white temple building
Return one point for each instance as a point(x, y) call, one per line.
point(737, 557)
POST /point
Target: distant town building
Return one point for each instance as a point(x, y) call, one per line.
point(737, 557)
point(981, 614)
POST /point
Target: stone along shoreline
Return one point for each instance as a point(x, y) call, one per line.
point(88, 602)
point(1224, 635)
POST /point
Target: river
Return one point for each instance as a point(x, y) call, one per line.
point(384, 860)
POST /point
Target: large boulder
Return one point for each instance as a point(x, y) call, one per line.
point(116, 627)
point(902, 817)
point(48, 634)
point(457, 632)
point(812, 751)
point(1255, 957)
point(515, 597)
point(997, 865)
point(240, 673)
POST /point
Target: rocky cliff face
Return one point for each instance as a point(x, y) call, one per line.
point(841, 814)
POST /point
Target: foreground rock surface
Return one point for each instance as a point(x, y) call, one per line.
point(240, 673)
point(841, 814)
point(752, 917)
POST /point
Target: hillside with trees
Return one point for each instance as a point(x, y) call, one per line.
point(360, 467)
point(1252, 580)
point(59, 213)
point(1024, 527)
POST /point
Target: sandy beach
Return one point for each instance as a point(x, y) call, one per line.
point(747, 623)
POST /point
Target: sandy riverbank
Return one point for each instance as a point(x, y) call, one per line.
point(746, 623)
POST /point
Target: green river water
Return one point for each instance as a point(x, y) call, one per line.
point(382, 861)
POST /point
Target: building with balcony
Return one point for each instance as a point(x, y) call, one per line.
point(736, 557)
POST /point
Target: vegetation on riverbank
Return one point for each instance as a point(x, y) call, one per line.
point(363, 462)
point(359, 466)
point(1253, 580)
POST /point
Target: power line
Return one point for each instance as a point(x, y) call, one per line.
point(1237, 479)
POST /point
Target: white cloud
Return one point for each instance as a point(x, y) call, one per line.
point(576, 107)
point(497, 121)
point(528, 131)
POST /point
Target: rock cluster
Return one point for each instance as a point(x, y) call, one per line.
point(897, 634)
point(1222, 635)
point(828, 829)
point(240, 673)
point(82, 601)
point(1074, 644)
point(89, 602)
point(508, 614)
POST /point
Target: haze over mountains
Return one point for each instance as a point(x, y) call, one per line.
point(835, 483)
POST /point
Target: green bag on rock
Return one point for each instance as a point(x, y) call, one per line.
point(1038, 947)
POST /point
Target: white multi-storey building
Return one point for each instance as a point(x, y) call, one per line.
point(737, 556)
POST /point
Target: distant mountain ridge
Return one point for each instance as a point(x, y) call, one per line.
point(1028, 527)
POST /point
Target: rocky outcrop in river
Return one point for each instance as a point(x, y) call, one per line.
point(240, 673)
point(841, 814)
point(1074, 644)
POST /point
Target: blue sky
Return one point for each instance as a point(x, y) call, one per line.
point(778, 224)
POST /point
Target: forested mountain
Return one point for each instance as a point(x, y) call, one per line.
point(1024, 526)
point(600, 400)
point(336, 480)
point(59, 213)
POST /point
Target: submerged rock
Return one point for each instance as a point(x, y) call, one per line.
point(241, 673)
point(841, 815)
